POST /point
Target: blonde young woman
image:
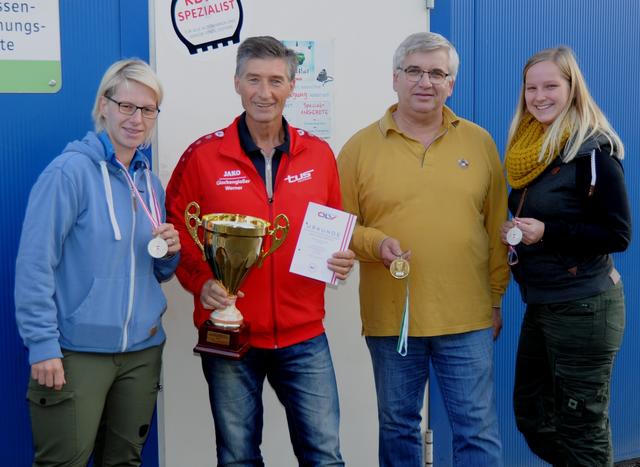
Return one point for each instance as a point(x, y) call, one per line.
point(93, 251)
point(570, 212)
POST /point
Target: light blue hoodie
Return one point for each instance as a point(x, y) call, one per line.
point(84, 279)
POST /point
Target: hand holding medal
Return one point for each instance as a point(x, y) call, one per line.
point(167, 235)
point(514, 234)
point(165, 239)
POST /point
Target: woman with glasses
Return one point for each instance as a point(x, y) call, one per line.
point(93, 251)
point(571, 212)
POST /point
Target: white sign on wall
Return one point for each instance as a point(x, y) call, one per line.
point(30, 46)
point(310, 106)
point(204, 24)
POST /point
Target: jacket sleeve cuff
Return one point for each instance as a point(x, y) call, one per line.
point(366, 243)
point(553, 231)
point(45, 350)
point(166, 266)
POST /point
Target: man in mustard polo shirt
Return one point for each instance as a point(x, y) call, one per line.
point(429, 192)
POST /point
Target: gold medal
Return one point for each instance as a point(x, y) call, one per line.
point(399, 268)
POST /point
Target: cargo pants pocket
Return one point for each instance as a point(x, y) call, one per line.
point(53, 422)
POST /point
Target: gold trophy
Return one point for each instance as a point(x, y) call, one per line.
point(232, 246)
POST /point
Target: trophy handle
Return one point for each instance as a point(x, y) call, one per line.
point(280, 224)
point(192, 219)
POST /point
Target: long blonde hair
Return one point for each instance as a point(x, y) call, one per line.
point(581, 116)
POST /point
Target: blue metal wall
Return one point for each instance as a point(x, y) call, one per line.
point(33, 130)
point(494, 39)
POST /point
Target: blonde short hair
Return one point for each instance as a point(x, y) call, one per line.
point(119, 73)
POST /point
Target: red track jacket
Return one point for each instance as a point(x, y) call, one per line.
point(280, 308)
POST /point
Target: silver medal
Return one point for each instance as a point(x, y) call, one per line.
point(514, 236)
point(157, 247)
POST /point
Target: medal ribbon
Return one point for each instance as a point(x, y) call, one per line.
point(155, 207)
point(403, 337)
point(512, 256)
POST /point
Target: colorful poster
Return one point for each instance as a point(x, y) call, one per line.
point(311, 104)
point(202, 24)
point(30, 47)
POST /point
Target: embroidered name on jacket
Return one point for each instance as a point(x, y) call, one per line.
point(233, 180)
point(299, 178)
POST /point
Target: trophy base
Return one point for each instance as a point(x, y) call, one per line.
point(231, 343)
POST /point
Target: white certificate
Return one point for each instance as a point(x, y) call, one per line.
point(324, 231)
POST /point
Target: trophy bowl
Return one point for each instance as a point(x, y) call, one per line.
point(232, 247)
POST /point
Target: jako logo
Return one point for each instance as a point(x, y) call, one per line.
point(326, 215)
point(231, 173)
point(301, 177)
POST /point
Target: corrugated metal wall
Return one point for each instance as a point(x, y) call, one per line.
point(494, 39)
point(33, 130)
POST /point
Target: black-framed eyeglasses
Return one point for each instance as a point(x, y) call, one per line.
point(128, 108)
point(415, 74)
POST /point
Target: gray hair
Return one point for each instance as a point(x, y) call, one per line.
point(426, 42)
point(265, 47)
point(121, 72)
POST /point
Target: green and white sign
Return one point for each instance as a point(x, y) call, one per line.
point(30, 46)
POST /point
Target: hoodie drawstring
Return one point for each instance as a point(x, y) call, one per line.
point(109, 193)
point(592, 187)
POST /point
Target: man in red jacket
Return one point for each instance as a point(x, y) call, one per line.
point(261, 166)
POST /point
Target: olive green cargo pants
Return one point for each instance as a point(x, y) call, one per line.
point(563, 373)
point(106, 406)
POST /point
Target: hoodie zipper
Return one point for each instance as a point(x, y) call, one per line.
point(132, 270)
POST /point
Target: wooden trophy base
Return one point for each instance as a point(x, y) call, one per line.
point(231, 343)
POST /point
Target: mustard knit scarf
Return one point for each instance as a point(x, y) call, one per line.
point(521, 160)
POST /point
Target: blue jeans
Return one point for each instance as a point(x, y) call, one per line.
point(302, 377)
point(464, 366)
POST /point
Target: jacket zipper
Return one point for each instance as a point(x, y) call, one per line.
point(268, 175)
point(270, 196)
point(132, 270)
point(273, 288)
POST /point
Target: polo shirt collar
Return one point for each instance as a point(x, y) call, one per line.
point(387, 123)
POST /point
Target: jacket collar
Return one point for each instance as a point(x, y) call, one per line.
point(595, 142)
point(249, 146)
point(231, 146)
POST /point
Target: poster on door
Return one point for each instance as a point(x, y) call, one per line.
point(310, 106)
point(30, 47)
